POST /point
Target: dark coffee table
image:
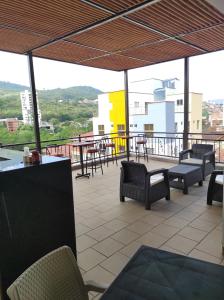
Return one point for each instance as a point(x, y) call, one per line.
point(154, 274)
point(182, 176)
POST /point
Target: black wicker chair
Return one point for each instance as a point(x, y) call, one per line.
point(137, 183)
point(200, 155)
point(215, 187)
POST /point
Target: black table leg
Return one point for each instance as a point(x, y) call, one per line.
point(83, 174)
point(185, 190)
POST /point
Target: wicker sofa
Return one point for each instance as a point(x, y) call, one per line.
point(139, 184)
point(215, 187)
point(200, 155)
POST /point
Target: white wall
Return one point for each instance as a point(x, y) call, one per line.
point(103, 118)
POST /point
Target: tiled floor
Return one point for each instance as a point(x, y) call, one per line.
point(109, 232)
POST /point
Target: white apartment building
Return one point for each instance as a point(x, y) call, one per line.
point(27, 108)
point(195, 111)
point(156, 90)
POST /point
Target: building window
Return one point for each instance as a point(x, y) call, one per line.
point(198, 124)
point(136, 104)
point(101, 129)
point(148, 129)
point(131, 125)
point(176, 127)
point(179, 102)
point(121, 129)
point(136, 125)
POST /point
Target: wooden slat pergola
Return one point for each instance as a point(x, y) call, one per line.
point(110, 34)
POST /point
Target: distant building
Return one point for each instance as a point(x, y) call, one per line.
point(111, 114)
point(195, 111)
point(138, 102)
point(12, 124)
point(27, 108)
point(47, 126)
point(158, 88)
point(216, 113)
point(156, 109)
point(154, 90)
point(158, 123)
point(149, 123)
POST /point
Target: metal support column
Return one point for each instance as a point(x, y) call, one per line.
point(126, 112)
point(34, 100)
point(186, 103)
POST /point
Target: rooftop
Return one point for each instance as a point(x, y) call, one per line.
point(109, 232)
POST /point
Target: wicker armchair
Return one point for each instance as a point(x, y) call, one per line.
point(200, 155)
point(215, 187)
point(54, 276)
point(139, 184)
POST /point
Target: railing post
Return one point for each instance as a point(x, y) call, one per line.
point(34, 100)
point(126, 111)
point(186, 103)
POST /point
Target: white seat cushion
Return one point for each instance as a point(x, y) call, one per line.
point(219, 179)
point(194, 161)
point(156, 179)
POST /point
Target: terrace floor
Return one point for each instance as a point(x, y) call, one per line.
point(109, 232)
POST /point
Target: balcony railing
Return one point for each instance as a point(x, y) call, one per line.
point(164, 144)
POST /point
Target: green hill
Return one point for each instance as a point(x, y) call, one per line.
point(70, 108)
point(73, 93)
point(9, 86)
point(63, 108)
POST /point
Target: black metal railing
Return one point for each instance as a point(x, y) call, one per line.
point(164, 144)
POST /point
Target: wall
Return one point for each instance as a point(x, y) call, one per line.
point(103, 118)
point(142, 98)
point(195, 109)
point(117, 111)
point(160, 114)
point(111, 111)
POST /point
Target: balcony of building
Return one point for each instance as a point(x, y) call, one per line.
point(109, 232)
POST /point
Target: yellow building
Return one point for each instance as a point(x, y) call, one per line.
point(111, 115)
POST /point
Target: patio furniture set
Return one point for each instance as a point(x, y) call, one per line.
point(139, 184)
point(150, 274)
point(154, 272)
point(94, 153)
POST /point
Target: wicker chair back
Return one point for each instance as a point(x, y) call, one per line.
point(198, 150)
point(134, 172)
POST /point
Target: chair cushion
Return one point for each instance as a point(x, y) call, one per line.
point(92, 150)
point(112, 145)
point(141, 142)
point(193, 161)
point(219, 179)
point(156, 179)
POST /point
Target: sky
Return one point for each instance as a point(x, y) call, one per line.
point(206, 74)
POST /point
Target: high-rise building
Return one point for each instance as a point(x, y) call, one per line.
point(27, 108)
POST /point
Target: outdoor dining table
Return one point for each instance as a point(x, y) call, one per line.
point(154, 274)
point(80, 145)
